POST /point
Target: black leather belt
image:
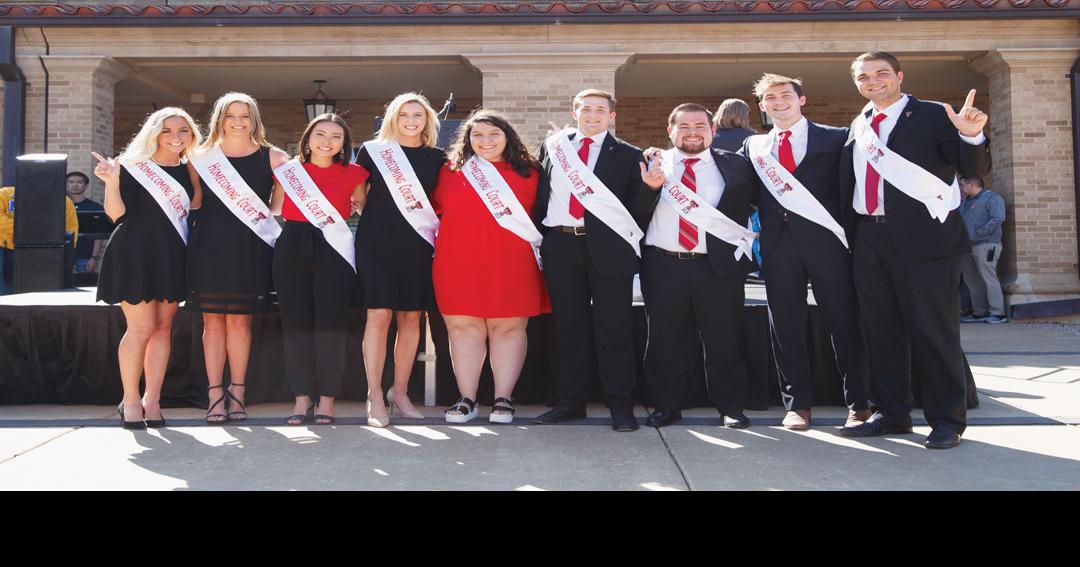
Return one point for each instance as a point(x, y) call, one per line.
point(878, 219)
point(575, 230)
point(680, 255)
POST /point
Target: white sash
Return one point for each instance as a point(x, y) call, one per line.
point(787, 190)
point(691, 207)
point(501, 202)
point(317, 209)
point(917, 183)
point(222, 178)
point(570, 175)
point(405, 187)
point(166, 190)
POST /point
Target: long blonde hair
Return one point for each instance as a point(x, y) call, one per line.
point(217, 120)
point(389, 133)
point(145, 143)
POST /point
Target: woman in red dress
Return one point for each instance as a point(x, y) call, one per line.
point(487, 280)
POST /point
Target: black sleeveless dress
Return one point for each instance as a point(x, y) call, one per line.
point(393, 262)
point(144, 259)
point(229, 268)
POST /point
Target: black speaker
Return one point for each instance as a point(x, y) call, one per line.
point(39, 269)
point(39, 200)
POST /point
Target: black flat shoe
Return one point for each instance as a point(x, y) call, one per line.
point(942, 437)
point(737, 421)
point(879, 424)
point(130, 425)
point(560, 414)
point(623, 420)
point(156, 423)
point(663, 418)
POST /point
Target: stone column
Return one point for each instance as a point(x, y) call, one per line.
point(81, 103)
point(536, 88)
point(1031, 144)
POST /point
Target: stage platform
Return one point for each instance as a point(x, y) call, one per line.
point(60, 348)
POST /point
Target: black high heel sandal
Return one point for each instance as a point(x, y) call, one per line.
point(154, 423)
point(212, 418)
point(242, 412)
point(129, 425)
point(301, 419)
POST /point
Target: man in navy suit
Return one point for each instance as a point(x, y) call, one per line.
point(812, 246)
point(908, 246)
point(590, 270)
point(688, 273)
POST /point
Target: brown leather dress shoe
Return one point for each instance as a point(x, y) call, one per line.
point(857, 417)
point(797, 420)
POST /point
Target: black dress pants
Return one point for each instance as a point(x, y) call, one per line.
point(608, 332)
point(787, 270)
point(677, 292)
point(909, 311)
point(314, 285)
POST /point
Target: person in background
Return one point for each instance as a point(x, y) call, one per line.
point(984, 213)
point(732, 125)
point(87, 252)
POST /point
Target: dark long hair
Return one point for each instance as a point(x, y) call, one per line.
point(515, 153)
point(344, 156)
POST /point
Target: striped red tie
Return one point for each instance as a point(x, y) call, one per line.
point(577, 210)
point(688, 233)
point(872, 177)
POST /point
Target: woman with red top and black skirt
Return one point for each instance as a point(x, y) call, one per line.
point(486, 273)
point(314, 264)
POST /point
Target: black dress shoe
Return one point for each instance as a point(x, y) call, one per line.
point(663, 418)
point(560, 414)
point(942, 437)
point(737, 421)
point(623, 420)
point(879, 424)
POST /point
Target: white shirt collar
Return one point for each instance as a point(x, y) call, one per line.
point(894, 109)
point(598, 139)
point(799, 129)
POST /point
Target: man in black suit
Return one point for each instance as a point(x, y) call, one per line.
point(907, 262)
point(588, 267)
point(813, 246)
point(689, 273)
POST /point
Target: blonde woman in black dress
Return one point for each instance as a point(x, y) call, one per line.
point(149, 189)
point(393, 258)
point(230, 255)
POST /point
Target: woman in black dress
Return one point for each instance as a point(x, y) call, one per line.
point(229, 266)
point(143, 266)
point(393, 260)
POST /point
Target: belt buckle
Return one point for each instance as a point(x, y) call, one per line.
point(685, 255)
point(578, 230)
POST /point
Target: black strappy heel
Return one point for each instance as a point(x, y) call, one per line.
point(211, 417)
point(242, 412)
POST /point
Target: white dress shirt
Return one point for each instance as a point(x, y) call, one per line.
point(892, 115)
point(558, 211)
point(663, 229)
point(800, 131)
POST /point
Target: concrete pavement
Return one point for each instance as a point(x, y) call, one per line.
point(1024, 436)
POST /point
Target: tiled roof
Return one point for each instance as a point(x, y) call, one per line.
point(95, 13)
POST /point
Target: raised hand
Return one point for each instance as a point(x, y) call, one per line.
point(654, 175)
point(970, 121)
point(554, 129)
point(108, 169)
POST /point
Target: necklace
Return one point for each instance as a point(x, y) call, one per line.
point(163, 164)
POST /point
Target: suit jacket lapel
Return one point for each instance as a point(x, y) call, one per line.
point(723, 175)
point(904, 119)
point(812, 134)
point(607, 151)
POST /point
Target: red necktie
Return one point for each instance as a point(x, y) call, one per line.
point(576, 209)
point(787, 157)
point(688, 234)
point(872, 177)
